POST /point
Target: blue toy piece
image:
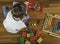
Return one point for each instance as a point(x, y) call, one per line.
point(22, 40)
point(29, 30)
point(34, 3)
point(58, 25)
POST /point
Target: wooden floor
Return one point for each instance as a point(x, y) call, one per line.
point(9, 38)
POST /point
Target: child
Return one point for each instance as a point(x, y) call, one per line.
point(16, 18)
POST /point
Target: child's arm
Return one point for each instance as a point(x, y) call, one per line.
point(22, 26)
point(26, 18)
point(21, 29)
point(23, 18)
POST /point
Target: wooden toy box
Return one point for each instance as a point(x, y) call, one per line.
point(52, 25)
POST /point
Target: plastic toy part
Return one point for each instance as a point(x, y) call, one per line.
point(40, 40)
point(34, 24)
point(53, 21)
point(37, 33)
point(27, 42)
point(55, 28)
point(28, 35)
point(21, 40)
point(34, 42)
point(33, 38)
point(29, 30)
point(24, 34)
point(58, 25)
point(31, 34)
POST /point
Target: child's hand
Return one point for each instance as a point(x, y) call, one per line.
point(27, 3)
point(21, 29)
point(18, 29)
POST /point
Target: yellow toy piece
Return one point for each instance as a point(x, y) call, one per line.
point(27, 42)
point(40, 40)
point(28, 35)
point(34, 24)
point(50, 20)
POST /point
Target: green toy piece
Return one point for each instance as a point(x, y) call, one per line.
point(38, 8)
point(55, 28)
point(31, 34)
point(39, 5)
point(21, 40)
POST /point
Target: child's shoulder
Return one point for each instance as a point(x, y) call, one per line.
point(9, 12)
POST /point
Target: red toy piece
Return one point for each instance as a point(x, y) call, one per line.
point(33, 38)
point(53, 22)
point(23, 34)
point(37, 33)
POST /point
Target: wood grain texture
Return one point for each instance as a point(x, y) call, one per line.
point(8, 38)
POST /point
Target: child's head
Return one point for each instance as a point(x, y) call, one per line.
point(19, 10)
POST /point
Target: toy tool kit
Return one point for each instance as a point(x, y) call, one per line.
point(52, 25)
point(35, 6)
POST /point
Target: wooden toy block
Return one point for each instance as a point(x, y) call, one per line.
point(33, 38)
point(27, 42)
point(55, 28)
point(28, 35)
point(31, 34)
point(49, 20)
point(34, 24)
point(34, 42)
point(37, 33)
point(29, 30)
point(23, 34)
point(40, 40)
point(21, 40)
point(58, 25)
point(53, 22)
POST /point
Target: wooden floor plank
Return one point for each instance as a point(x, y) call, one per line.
point(9, 36)
point(8, 41)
